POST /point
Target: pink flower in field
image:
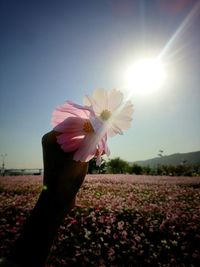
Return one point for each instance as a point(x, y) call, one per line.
point(108, 231)
point(74, 122)
point(137, 238)
point(124, 234)
point(120, 225)
point(115, 236)
point(111, 251)
point(73, 221)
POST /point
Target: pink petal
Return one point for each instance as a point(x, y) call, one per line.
point(87, 149)
point(73, 125)
point(86, 109)
point(69, 119)
point(105, 147)
point(93, 145)
point(69, 109)
point(102, 149)
point(69, 143)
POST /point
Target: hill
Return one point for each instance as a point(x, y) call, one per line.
point(191, 158)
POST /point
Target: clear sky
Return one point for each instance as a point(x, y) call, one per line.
point(52, 51)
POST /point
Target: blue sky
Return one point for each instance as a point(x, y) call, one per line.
point(52, 51)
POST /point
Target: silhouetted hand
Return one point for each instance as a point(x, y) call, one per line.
point(62, 175)
point(62, 180)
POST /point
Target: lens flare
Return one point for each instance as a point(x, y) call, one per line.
point(145, 76)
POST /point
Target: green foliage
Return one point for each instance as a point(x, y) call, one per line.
point(118, 165)
point(177, 170)
point(93, 168)
point(136, 169)
point(146, 170)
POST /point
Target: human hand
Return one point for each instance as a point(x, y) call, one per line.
point(62, 179)
point(62, 175)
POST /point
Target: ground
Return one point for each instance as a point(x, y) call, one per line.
point(119, 220)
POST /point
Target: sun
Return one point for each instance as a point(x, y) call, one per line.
point(145, 76)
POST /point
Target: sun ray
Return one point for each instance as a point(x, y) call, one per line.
point(183, 26)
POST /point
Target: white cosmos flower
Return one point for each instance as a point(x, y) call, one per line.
point(112, 113)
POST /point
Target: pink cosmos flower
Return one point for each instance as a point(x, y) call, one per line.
point(84, 130)
point(74, 122)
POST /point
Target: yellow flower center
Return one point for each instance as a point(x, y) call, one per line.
point(87, 127)
point(105, 114)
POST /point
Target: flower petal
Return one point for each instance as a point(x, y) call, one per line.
point(97, 124)
point(123, 124)
point(121, 114)
point(101, 97)
point(124, 118)
point(98, 161)
point(98, 101)
point(68, 109)
point(115, 99)
point(86, 101)
point(90, 145)
point(69, 143)
point(93, 104)
point(103, 147)
point(127, 109)
point(87, 149)
point(71, 125)
point(114, 130)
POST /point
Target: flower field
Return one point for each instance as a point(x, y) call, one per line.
point(119, 220)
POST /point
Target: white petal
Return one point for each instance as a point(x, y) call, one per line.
point(98, 161)
point(114, 130)
point(127, 110)
point(101, 97)
point(123, 124)
point(124, 117)
point(114, 100)
point(86, 101)
point(94, 105)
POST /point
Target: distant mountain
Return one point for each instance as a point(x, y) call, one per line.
point(192, 158)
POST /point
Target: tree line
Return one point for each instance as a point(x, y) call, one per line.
point(118, 165)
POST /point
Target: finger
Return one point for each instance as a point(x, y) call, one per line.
point(50, 137)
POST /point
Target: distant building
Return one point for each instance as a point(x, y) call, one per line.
point(12, 172)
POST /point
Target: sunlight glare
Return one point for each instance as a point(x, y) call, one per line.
point(145, 76)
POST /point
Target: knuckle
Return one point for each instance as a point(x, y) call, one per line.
point(44, 139)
